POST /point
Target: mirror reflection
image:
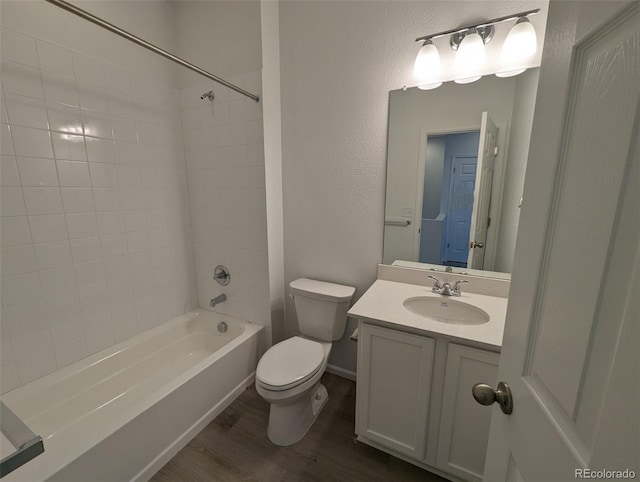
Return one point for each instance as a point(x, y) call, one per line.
point(455, 171)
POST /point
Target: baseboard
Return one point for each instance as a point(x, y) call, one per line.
point(341, 372)
point(167, 454)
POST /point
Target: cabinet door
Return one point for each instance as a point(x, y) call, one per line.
point(394, 381)
point(464, 423)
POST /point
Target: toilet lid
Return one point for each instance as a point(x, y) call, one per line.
point(289, 363)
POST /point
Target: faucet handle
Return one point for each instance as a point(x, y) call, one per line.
point(456, 285)
point(436, 284)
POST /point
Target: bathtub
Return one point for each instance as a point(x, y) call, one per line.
point(121, 414)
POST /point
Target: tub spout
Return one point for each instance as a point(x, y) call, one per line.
point(218, 299)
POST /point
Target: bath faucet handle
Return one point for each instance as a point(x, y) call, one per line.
point(456, 286)
point(436, 283)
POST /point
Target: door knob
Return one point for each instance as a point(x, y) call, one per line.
point(485, 395)
point(474, 244)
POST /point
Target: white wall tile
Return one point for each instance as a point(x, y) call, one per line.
point(26, 111)
point(21, 80)
point(89, 273)
point(37, 171)
point(6, 143)
point(97, 124)
point(124, 129)
point(87, 203)
point(12, 202)
point(48, 227)
point(69, 146)
point(89, 70)
point(53, 254)
point(101, 150)
point(43, 200)
point(118, 80)
point(15, 231)
point(62, 309)
point(74, 173)
point(58, 280)
point(55, 59)
point(71, 350)
point(20, 288)
point(93, 98)
point(113, 245)
point(77, 200)
point(29, 142)
point(103, 175)
point(18, 47)
point(64, 118)
point(107, 199)
point(59, 89)
point(36, 366)
point(82, 225)
point(18, 260)
point(9, 171)
point(85, 250)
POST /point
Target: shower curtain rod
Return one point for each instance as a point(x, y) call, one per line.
point(143, 43)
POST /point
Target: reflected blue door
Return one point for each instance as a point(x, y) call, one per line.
point(460, 208)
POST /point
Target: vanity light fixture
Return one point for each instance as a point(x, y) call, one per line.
point(470, 58)
point(520, 45)
point(426, 69)
point(468, 42)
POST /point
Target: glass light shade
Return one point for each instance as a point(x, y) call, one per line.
point(519, 46)
point(426, 69)
point(469, 59)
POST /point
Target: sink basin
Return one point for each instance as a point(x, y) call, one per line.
point(446, 310)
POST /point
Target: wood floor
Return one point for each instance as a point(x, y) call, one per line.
point(235, 447)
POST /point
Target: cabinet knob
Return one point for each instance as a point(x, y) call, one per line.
point(486, 395)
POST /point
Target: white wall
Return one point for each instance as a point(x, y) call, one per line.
point(519, 138)
point(96, 242)
point(220, 36)
point(339, 61)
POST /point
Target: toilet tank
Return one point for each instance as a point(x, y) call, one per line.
point(321, 307)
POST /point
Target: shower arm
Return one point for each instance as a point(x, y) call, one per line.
point(149, 46)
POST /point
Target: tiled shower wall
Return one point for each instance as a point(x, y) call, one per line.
point(225, 164)
point(96, 242)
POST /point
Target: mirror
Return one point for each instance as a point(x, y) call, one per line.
point(456, 161)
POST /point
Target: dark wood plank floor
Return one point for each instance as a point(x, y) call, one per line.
point(235, 447)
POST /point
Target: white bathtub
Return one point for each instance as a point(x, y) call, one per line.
point(121, 414)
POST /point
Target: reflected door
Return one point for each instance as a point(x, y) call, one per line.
point(487, 152)
point(463, 180)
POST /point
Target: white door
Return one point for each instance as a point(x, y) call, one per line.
point(482, 193)
point(570, 350)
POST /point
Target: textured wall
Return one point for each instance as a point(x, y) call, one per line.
point(339, 60)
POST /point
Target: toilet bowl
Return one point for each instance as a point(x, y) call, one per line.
point(288, 374)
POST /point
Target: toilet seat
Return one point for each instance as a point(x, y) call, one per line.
point(289, 363)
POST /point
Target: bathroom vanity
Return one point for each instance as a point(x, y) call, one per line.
point(419, 354)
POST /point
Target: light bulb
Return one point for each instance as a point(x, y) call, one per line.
point(469, 59)
point(426, 69)
point(519, 46)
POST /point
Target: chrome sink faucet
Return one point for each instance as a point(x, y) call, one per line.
point(446, 289)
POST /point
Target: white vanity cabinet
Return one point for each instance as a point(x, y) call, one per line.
point(393, 388)
point(413, 399)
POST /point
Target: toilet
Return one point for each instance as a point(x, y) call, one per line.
point(288, 374)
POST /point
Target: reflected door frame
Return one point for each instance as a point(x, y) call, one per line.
point(422, 158)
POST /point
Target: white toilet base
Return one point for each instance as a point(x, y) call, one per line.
point(289, 423)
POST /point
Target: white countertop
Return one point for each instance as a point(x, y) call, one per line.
point(383, 302)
